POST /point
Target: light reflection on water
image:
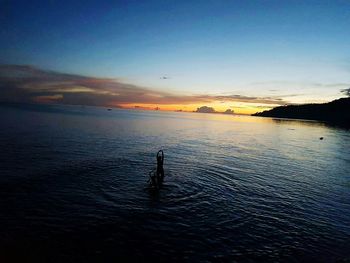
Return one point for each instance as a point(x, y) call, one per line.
point(73, 184)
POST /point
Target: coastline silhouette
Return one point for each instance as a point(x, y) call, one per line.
point(334, 112)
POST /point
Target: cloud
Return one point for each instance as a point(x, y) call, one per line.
point(299, 84)
point(346, 91)
point(24, 84)
point(248, 99)
point(342, 86)
point(205, 109)
point(228, 111)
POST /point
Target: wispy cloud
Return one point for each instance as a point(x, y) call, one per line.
point(346, 91)
point(247, 99)
point(20, 83)
point(281, 83)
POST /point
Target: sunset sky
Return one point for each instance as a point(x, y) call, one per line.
point(176, 55)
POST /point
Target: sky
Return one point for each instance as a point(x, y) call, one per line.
point(246, 56)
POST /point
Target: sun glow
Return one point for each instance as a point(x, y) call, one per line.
point(238, 108)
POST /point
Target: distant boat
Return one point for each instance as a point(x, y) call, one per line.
point(109, 109)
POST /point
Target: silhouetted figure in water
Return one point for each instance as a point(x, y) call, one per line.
point(160, 162)
point(153, 179)
point(157, 176)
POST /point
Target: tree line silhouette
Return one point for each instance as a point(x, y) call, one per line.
point(336, 112)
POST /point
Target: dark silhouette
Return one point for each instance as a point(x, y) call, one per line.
point(346, 91)
point(334, 112)
point(160, 162)
point(205, 109)
point(157, 177)
point(153, 179)
point(228, 111)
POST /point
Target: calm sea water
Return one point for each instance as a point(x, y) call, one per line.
point(73, 187)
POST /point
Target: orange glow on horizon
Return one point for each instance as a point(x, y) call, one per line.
point(240, 108)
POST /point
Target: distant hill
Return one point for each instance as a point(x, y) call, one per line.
point(336, 112)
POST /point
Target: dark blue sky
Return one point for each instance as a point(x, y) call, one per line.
point(297, 48)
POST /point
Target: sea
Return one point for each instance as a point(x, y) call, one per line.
point(74, 187)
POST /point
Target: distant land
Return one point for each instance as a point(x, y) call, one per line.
point(334, 112)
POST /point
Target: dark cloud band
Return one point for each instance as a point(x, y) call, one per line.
point(20, 83)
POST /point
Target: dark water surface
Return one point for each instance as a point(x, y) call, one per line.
point(73, 187)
